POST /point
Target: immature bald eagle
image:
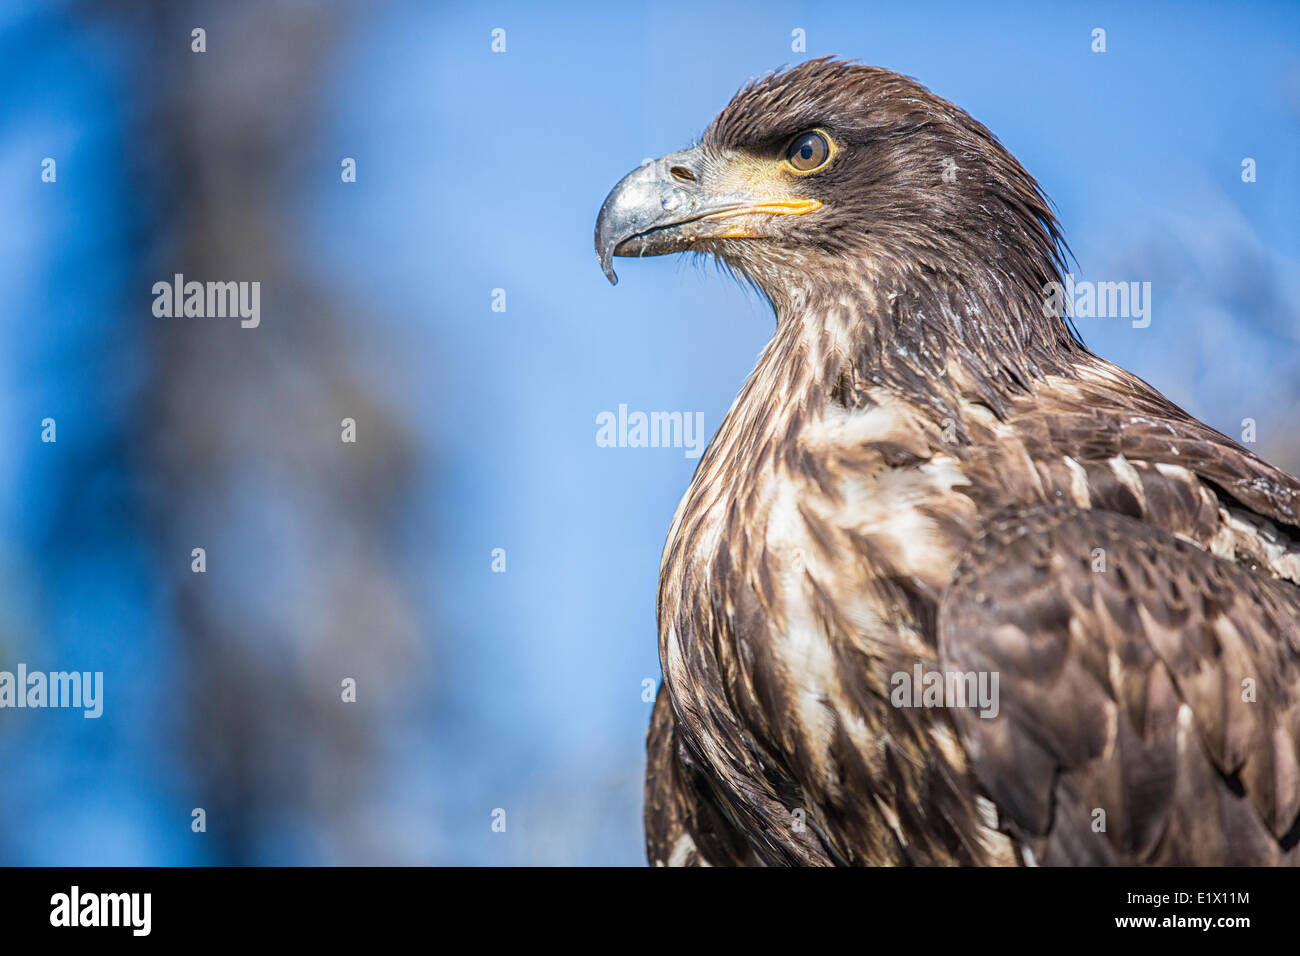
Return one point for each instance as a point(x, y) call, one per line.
point(928, 481)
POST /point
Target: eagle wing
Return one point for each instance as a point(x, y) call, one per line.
point(1149, 692)
point(683, 826)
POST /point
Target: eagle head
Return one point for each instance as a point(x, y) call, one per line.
point(835, 166)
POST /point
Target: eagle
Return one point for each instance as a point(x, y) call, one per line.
point(947, 588)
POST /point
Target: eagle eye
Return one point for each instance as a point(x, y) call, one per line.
point(808, 151)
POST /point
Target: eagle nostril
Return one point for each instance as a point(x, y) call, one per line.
point(682, 174)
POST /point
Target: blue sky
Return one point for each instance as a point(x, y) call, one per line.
point(480, 171)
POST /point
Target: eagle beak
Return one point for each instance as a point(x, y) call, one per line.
point(669, 205)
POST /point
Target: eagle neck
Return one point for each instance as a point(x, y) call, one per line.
point(936, 339)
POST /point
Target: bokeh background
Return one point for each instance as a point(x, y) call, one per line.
point(478, 171)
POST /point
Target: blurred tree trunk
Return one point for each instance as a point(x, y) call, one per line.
point(239, 440)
